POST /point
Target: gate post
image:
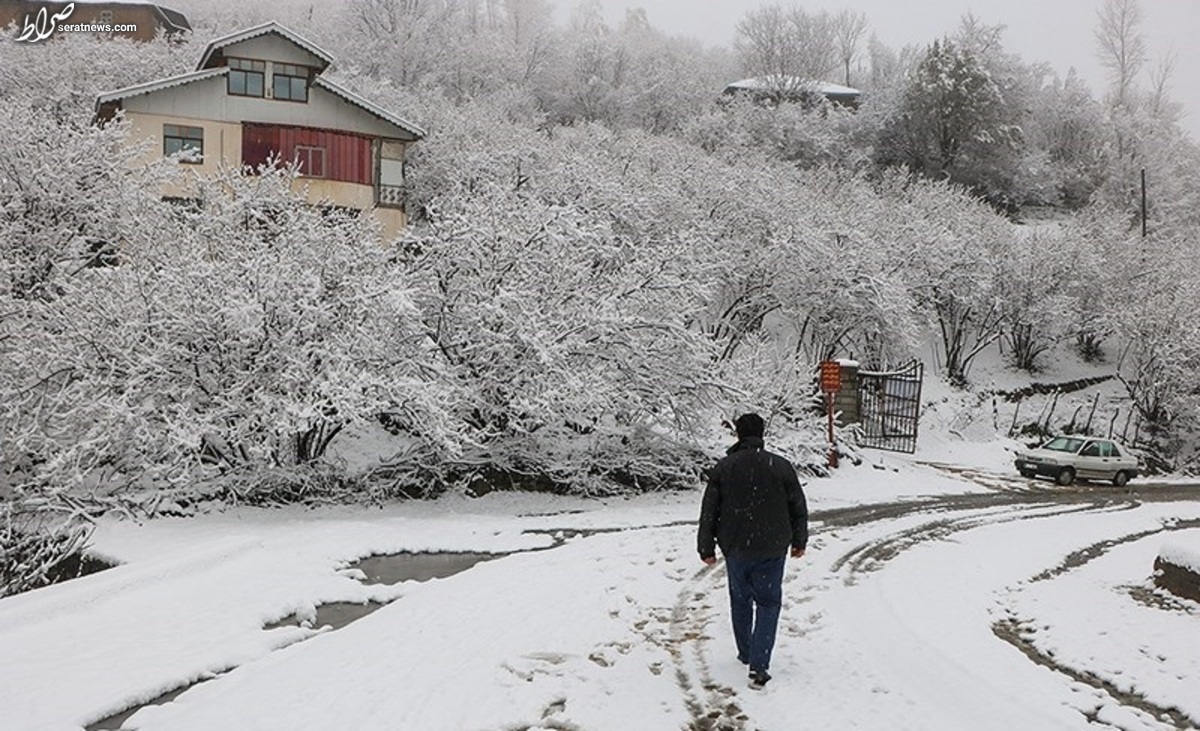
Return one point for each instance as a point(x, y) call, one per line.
point(846, 398)
point(831, 383)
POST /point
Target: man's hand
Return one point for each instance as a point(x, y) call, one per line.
point(797, 552)
point(708, 560)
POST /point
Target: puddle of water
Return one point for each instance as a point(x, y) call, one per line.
point(388, 569)
point(335, 614)
point(397, 567)
point(113, 722)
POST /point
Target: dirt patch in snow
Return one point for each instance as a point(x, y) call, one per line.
point(1179, 580)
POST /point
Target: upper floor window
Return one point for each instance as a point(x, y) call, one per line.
point(290, 82)
point(247, 77)
point(177, 138)
point(106, 17)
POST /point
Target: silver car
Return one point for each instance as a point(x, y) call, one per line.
point(1086, 458)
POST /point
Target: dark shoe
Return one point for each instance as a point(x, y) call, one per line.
point(758, 679)
point(742, 660)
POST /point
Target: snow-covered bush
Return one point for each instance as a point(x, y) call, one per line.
point(577, 300)
point(1035, 284)
point(945, 246)
point(242, 329)
point(566, 339)
point(62, 79)
point(36, 546)
point(1160, 355)
point(808, 137)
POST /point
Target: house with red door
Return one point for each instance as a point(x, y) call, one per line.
point(259, 95)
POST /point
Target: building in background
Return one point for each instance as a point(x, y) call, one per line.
point(259, 95)
point(138, 21)
point(778, 88)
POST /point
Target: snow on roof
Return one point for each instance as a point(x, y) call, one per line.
point(261, 30)
point(370, 107)
point(774, 82)
point(153, 86)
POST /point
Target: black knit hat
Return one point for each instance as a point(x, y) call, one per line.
point(749, 425)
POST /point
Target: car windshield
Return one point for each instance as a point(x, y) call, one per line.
point(1063, 444)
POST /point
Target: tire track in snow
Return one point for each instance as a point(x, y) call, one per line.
point(713, 706)
point(1010, 499)
point(872, 555)
point(1015, 631)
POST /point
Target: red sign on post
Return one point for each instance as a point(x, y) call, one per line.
point(831, 376)
point(831, 383)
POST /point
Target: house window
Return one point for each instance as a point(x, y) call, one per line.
point(106, 17)
point(290, 82)
point(246, 77)
point(311, 161)
point(180, 138)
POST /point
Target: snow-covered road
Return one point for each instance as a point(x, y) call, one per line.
point(928, 600)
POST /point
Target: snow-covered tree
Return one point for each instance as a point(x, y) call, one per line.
point(1035, 285)
point(951, 244)
point(567, 339)
point(62, 79)
point(954, 120)
point(1120, 45)
point(848, 30)
point(1067, 125)
point(778, 44)
point(238, 333)
point(1160, 354)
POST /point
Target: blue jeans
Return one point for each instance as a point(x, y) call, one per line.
point(755, 598)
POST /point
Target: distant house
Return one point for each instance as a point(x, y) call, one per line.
point(259, 94)
point(136, 20)
point(778, 88)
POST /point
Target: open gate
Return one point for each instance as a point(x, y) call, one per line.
point(889, 407)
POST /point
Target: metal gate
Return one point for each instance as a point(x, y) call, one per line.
point(889, 407)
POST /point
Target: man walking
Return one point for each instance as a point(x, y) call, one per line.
point(755, 509)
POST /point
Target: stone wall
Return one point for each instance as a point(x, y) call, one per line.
point(845, 401)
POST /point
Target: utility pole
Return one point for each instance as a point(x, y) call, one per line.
point(1143, 203)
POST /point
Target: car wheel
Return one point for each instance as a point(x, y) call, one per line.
point(1066, 476)
point(1121, 478)
point(1027, 474)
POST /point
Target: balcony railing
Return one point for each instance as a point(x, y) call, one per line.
point(390, 196)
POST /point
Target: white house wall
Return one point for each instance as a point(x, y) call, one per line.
point(209, 99)
point(272, 48)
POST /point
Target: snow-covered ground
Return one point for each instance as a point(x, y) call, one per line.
point(939, 592)
point(969, 613)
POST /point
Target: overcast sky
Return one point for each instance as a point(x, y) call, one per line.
point(1059, 32)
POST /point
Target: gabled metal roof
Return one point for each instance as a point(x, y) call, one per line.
point(175, 18)
point(261, 30)
point(776, 82)
point(153, 86)
point(370, 107)
point(406, 128)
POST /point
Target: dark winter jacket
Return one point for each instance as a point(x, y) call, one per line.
point(753, 506)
